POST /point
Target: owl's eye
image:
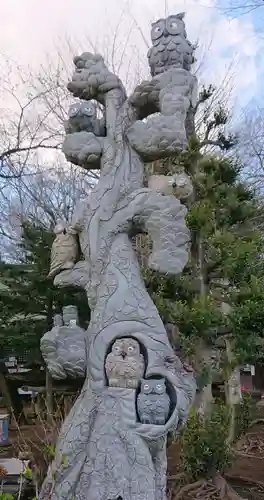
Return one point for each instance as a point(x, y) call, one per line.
point(157, 29)
point(174, 25)
point(73, 111)
point(88, 110)
point(116, 348)
point(158, 387)
point(130, 349)
point(146, 387)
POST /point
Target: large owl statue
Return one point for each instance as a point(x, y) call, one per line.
point(153, 402)
point(64, 250)
point(170, 49)
point(124, 365)
point(82, 116)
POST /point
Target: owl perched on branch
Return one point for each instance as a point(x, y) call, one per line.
point(64, 250)
point(170, 49)
point(83, 117)
point(124, 365)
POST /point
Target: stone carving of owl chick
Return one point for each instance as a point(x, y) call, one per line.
point(170, 47)
point(153, 402)
point(83, 117)
point(64, 250)
point(125, 364)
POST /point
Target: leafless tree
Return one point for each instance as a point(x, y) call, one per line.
point(33, 110)
point(25, 130)
point(240, 7)
point(46, 196)
point(250, 147)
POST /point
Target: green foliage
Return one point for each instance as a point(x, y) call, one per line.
point(28, 299)
point(50, 451)
point(225, 261)
point(243, 414)
point(6, 496)
point(199, 318)
point(247, 319)
point(205, 451)
point(28, 473)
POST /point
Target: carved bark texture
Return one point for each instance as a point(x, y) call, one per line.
point(104, 451)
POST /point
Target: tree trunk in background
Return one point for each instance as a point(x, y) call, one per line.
point(232, 390)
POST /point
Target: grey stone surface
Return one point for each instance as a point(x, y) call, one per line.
point(82, 116)
point(164, 134)
point(83, 149)
point(65, 249)
point(70, 313)
point(153, 402)
point(63, 347)
point(104, 451)
point(179, 185)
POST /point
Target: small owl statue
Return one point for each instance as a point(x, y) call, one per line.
point(125, 365)
point(179, 185)
point(170, 47)
point(64, 250)
point(153, 402)
point(83, 117)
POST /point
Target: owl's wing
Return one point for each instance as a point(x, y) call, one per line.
point(110, 363)
point(162, 404)
point(161, 47)
point(143, 401)
point(142, 363)
point(56, 258)
point(154, 55)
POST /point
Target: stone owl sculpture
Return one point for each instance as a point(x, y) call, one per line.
point(124, 365)
point(153, 402)
point(179, 185)
point(170, 47)
point(82, 116)
point(64, 250)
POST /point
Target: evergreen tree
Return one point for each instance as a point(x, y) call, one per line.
point(28, 299)
point(216, 303)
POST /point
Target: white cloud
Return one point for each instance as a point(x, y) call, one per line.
point(31, 28)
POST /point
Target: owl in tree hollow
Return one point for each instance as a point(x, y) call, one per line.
point(83, 117)
point(170, 49)
point(124, 365)
point(153, 402)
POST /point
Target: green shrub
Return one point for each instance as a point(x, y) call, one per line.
point(204, 443)
point(243, 415)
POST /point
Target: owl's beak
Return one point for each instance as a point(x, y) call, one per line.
point(123, 354)
point(165, 32)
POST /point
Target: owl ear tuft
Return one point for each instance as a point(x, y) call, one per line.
point(156, 22)
point(181, 15)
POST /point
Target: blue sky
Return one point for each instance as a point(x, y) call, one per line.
point(236, 10)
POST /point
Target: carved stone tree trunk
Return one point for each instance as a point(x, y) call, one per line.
point(113, 443)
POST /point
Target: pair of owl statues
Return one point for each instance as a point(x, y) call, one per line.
point(125, 367)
